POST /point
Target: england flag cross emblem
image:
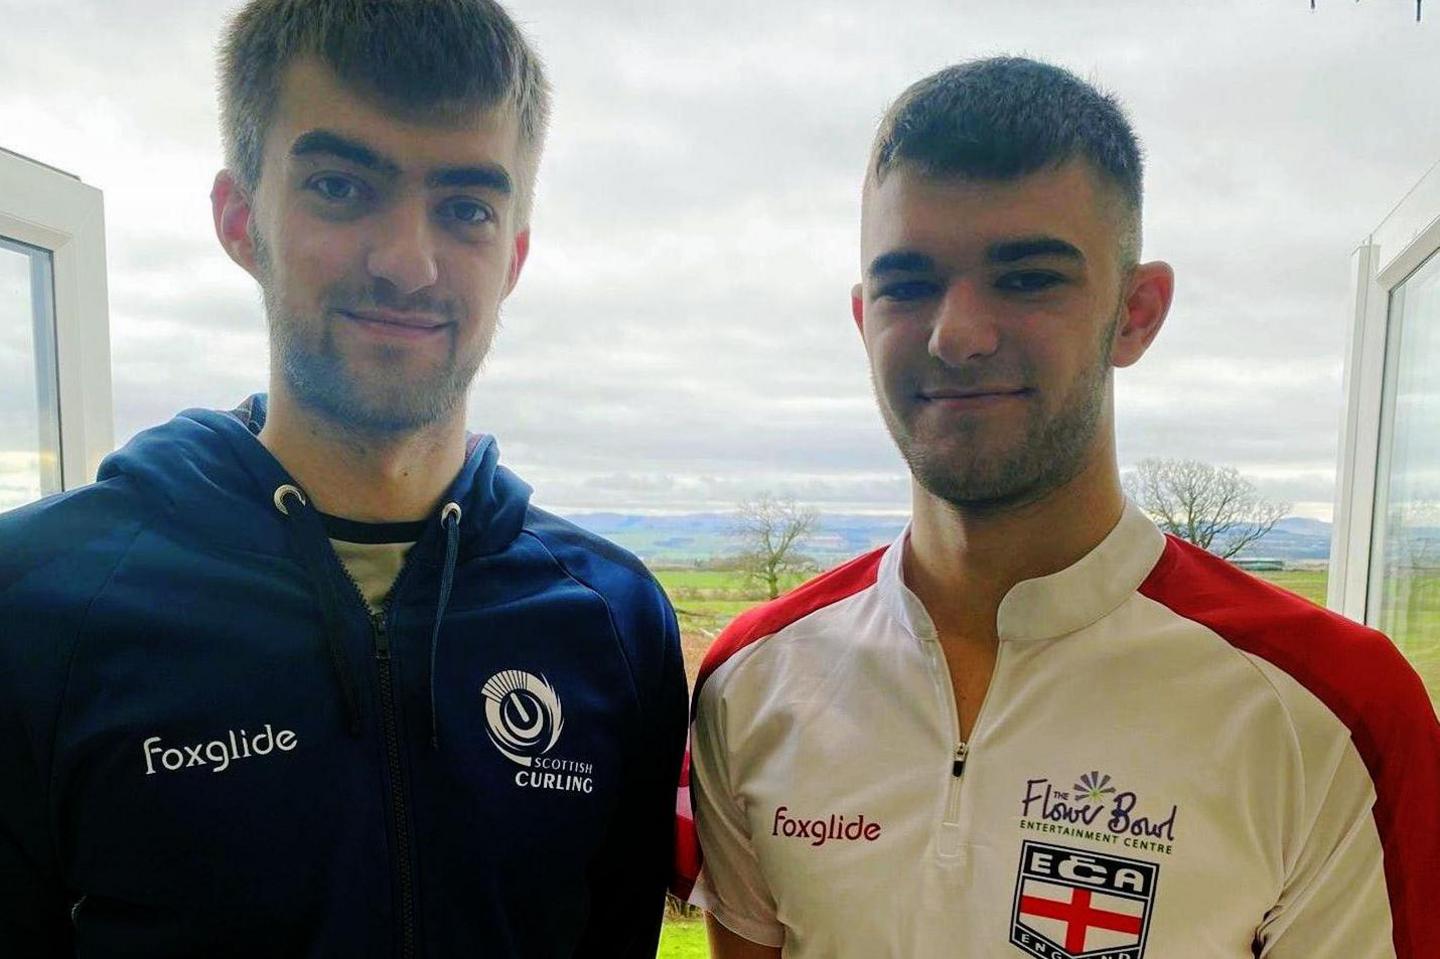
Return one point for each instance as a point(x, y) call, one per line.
point(1071, 904)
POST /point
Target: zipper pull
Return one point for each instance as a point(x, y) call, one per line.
point(382, 638)
point(958, 767)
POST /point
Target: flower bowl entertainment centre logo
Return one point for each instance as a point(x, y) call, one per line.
point(1095, 808)
point(524, 720)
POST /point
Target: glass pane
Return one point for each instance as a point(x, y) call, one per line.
point(1404, 595)
point(29, 410)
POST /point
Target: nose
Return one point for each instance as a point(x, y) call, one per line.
point(404, 252)
point(964, 329)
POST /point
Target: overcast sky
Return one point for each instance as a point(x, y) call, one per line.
point(681, 336)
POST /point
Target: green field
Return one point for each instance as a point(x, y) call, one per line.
point(1309, 583)
point(1412, 618)
point(683, 939)
point(705, 601)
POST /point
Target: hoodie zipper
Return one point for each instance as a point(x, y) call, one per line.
point(398, 812)
point(402, 861)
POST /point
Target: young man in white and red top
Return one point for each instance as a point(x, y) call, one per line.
point(1034, 725)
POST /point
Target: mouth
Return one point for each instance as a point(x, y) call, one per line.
point(976, 398)
point(397, 324)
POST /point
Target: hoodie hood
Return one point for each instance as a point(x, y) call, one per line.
point(207, 471)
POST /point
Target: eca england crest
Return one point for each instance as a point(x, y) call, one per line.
point(1075, 904)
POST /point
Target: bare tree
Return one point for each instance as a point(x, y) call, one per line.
point(1213, 507)
point(773, 531)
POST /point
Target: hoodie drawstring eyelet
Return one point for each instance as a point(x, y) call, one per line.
point(287, 490)
point(450, 521)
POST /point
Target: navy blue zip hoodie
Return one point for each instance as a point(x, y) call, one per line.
point(210, 747)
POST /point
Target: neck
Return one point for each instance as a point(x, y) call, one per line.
point(388, 478)
point(961, 562)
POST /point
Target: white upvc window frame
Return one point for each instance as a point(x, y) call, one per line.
point(52, 210)
point(1399, 245)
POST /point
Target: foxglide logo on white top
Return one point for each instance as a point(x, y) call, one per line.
point(524, 717)
point(217, 753)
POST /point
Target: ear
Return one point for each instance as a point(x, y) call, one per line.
point(1151, 289)
point(857, 307)
point(517, 261)
point(231, 209)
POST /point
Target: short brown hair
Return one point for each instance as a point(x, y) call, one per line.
point(439, 58)
point(1001, 118)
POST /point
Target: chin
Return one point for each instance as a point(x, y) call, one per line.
point(976, 493)
point(976, 480)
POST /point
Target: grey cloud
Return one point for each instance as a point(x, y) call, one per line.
point(681, 334)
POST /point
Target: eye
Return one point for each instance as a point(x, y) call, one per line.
point(1029, 281)
point(335, 188)
point(906, 291)
point(467, 211)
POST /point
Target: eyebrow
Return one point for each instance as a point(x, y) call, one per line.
point(1006, 251)
point(325, 143)
point(490, 176)
point(1011, 250)
point(900, 261)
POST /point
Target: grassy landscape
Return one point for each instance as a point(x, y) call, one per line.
point(1412, 619)
point(706, 600)
point(1310, 583)
point(683, 939)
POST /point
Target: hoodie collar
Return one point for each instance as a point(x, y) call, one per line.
point(207, 472)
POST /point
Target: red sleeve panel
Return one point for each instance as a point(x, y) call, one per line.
point(1360, 676)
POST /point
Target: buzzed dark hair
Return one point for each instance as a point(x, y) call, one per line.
point(1002, 118)
point(422, 58)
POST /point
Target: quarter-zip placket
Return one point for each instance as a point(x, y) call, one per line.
point(950, 838)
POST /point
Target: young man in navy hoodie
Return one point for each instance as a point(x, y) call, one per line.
point(312, 676)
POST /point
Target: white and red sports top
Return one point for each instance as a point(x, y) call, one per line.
point(1174, 760)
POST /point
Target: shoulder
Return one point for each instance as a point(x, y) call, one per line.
point(56, 556)
point(639, 611)
point(67, 538)
point(613, 572)
point(770, 619)
point(1352, 668)
point(1356, 672)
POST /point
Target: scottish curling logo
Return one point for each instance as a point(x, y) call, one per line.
point(524, 714)
point(524, 720)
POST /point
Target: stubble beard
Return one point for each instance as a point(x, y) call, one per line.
point(383, 404)
point(1053, 450)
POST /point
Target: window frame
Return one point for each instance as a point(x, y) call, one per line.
point(1398, 247)
point(54, 211)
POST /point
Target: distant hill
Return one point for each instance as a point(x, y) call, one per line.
point(686, 538)
point(1293, 538)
